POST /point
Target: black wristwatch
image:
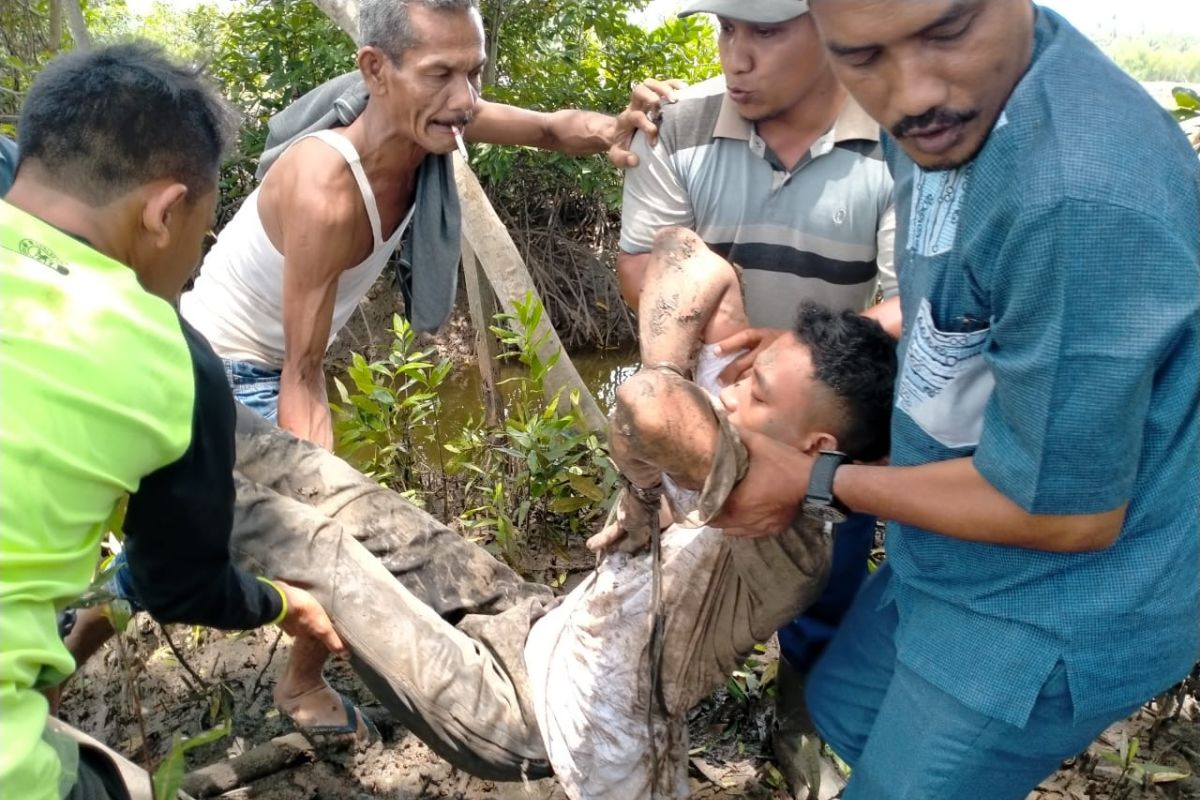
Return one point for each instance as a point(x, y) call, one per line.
point(819, 503)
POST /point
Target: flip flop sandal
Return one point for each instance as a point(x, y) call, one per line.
point(341, 736)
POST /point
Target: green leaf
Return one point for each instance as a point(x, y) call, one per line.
point(1186, 98)
point(168, 778)
point(586, 487)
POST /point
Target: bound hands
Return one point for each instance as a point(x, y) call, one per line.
point(641, 115)
point(633, 521)
point(306, 617)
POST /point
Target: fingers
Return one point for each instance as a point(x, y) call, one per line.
point(745, 339)
point(651, 92)
point(605, 539)
point(737, 368)
point(621, 156)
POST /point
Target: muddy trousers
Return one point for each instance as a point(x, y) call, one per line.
point(436, 625)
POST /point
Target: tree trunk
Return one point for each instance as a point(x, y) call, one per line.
point(56, 15)
point(344, 14)
point(75, 21)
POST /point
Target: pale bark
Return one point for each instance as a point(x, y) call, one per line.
point(56, 15)
point(77, 25)
point(344, 14)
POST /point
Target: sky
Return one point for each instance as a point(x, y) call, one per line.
point(1090, 16)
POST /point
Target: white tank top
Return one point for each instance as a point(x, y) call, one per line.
point(237, 301)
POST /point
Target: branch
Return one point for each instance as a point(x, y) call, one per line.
point(56, 15)
point(344, 14)
point(75, 21)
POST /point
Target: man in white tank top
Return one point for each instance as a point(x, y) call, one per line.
point(289, 269)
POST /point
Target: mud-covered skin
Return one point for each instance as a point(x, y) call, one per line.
point(690, 296)
point(436, 625)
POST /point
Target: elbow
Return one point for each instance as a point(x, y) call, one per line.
point(636, 414)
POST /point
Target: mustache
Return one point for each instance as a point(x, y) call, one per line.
point(933, 118)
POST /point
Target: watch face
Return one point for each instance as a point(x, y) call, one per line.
point(824, 513)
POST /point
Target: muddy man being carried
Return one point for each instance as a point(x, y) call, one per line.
point(526, 684)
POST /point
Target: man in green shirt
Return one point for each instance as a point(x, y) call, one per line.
point(105, 392)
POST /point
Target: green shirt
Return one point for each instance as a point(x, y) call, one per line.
point(100, 388)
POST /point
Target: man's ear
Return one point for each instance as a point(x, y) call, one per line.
point(371, 63)
point(817, 441)
point(162, 202)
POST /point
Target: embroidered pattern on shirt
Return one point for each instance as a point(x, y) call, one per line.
point(936, 204)
point(944, 382)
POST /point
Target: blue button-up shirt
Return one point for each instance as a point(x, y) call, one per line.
point(1052, 332)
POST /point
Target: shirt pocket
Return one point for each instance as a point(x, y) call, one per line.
point(945, 384)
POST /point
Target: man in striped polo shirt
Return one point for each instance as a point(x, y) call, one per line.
point(781, 173)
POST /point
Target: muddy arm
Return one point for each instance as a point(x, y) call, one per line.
point(689, 295)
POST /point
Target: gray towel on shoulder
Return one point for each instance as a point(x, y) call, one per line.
point(431, 283)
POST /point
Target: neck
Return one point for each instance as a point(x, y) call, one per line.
point(386, 155)
point(102, 226)
point(791, 133)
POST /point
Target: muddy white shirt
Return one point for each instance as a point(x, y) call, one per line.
point(588, 659)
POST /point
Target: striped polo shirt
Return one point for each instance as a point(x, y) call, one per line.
point(821, 231)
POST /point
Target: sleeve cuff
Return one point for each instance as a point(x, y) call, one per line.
point(283, 603)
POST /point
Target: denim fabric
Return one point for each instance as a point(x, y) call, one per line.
point(803, 639)
point(907, 739)
point(255, 387)
point(120, 585)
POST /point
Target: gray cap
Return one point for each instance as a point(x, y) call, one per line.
point(765, 12)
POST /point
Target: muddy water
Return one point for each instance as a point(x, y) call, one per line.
point(602, 371)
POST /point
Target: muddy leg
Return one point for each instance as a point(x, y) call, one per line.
point(461, 696)
point(443, 570)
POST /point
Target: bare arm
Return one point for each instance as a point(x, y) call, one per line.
point(947, 497)
point(572, 132)
point(631, 273)
point(317, 221)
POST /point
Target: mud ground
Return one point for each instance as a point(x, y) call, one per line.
point(135, 694)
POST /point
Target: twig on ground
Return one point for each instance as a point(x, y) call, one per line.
point(270, 657)
point(183, 661)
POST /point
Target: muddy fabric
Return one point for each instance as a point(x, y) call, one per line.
point(436, 624)
point(103, 773)
point(589, 659)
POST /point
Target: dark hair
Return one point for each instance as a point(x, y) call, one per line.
point(387, 24)
point(854, 357)
point(102, 122)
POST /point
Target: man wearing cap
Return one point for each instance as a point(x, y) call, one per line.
point(781, 173)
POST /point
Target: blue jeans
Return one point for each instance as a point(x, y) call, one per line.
point(255, 387)
point(804, 639)
point(906, 739)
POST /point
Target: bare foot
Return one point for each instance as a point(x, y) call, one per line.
point(318, 710)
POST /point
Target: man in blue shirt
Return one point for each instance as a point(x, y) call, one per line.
point(1041, 580)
